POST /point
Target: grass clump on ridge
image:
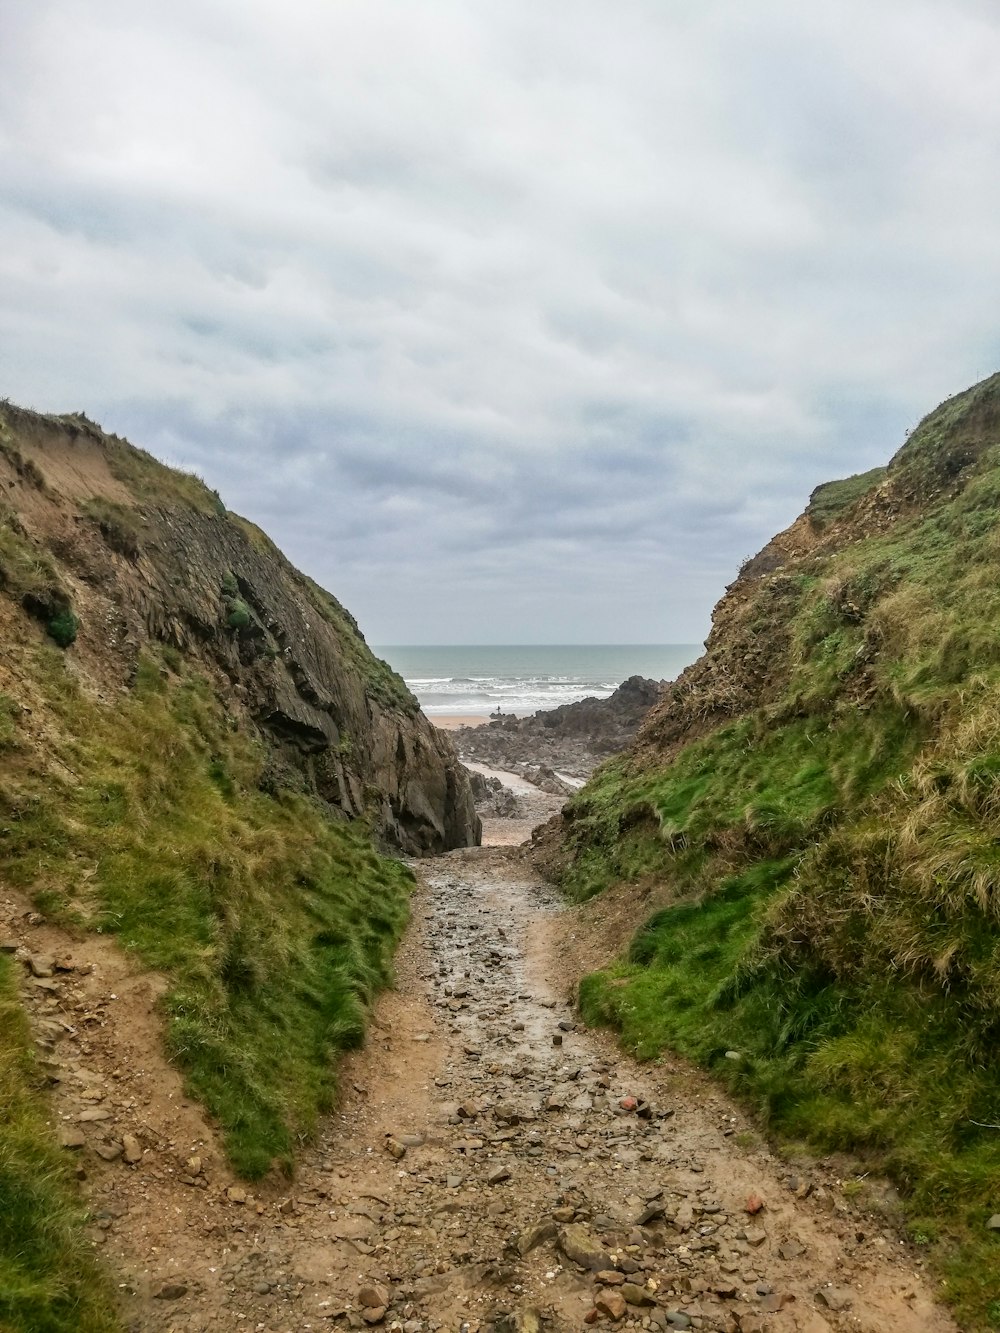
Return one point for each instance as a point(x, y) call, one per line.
point(154, 483)
point(49, 1282)
point(274, 924)
point(830, 500)
point(829, 861)
point(28, 575)
point(26, 572)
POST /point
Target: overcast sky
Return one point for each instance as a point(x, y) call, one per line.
point(510, 320)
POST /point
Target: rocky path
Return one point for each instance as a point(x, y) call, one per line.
point(491, 1166)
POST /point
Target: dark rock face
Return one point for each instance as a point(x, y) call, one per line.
point(147, 556)
point(493, 799)
point(603, 718)
point(309, 680)
point(571, 739)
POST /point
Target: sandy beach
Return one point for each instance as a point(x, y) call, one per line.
point(452, 721)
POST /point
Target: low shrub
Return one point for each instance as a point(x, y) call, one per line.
point(239, 616)
point(63, 628)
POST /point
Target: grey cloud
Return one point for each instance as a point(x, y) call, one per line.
point(507, 321)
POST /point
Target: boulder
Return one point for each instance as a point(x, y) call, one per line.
point(579, 1247)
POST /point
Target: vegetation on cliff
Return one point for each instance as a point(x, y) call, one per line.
point(816, 808)
point(274, 924)
point(200, 756)
point(99, 541)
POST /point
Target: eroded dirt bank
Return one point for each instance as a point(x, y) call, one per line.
point(490, 1163)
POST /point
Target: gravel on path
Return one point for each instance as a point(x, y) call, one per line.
point(491, 1167)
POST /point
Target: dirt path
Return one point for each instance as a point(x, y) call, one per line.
point(483, 1168)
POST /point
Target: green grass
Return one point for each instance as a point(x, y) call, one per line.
point(153, 483)
point(10, 713)
point(830, 856)
point(274, 923)
point(754, 788)
point(862, 1066)
point(29, 577)
point(49, 1282)
point(832, 499)
point(239, 616)
point(25, 571)
point(153, 816)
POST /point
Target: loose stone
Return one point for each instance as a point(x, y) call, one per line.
point(577, 1245)
point(611, 1303)
point(373, 1296)
point(170, 1291)
point(636, 1295)
point(836, 1298)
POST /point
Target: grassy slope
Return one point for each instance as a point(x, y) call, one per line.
point(274, 924)
point(834, 859)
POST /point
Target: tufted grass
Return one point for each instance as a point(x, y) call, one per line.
point(830, 858)
point(274, 923)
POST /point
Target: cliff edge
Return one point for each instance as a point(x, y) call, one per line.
point(202, 759)
point(98, 536)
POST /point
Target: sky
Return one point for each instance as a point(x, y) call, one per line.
point(509, 321)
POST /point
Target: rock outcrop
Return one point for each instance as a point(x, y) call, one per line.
point(571, 739)
point(98, 537)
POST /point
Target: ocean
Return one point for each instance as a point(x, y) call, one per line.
point(521, 679)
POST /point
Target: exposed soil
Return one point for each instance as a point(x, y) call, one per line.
point(484, 1165)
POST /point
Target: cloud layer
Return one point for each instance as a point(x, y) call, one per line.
point(510, 322)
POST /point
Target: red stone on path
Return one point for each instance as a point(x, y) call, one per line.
point(611, 1303)
point(628, 1103)
point(755, 1204)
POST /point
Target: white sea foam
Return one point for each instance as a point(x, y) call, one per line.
point(478, 680)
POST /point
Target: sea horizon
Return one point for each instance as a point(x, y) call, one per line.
point(481, 679)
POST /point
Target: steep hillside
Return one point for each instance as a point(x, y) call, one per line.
point(198, 755)
point(814, 807)
point(97, 532)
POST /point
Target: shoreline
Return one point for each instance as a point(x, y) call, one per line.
point(452, 721)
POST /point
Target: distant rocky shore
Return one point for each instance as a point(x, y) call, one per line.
point(560, 743)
